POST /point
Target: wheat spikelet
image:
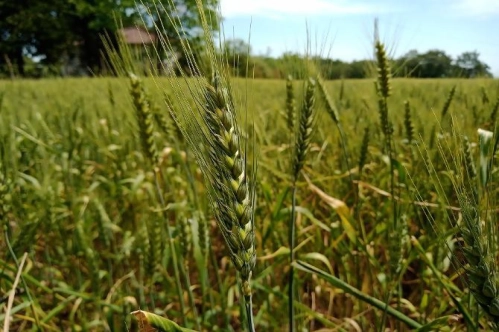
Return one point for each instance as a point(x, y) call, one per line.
point(290, 104)
point(211, 130)
point(386, 126)
point(156, 242)
point(448, 101)
point(481, 270)
point(383, 69)
point(364, 150)
point(143, 244)
point(302, 143)
point(233, 204)
point(185, 237)
point(144, 117)
point(383, 89)
point(168, 125)
point(478, 234)
point(409, 127)
point(161, 121)
point(215, 141)
point(5, 197)
point(330, 108)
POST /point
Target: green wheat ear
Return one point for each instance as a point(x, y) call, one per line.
point(479, 249)
point(384, 70)
point(213, 135)
point(306, 121)
point(409, 126)
point(448, 101)
point(231, 188)
point(330, 108)
point(217, 144)
point(144, 117)
point(290, 104)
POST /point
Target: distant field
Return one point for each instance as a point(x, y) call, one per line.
point(77, 194)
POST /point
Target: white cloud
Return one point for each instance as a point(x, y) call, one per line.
point(282, 8)
point(478, 7)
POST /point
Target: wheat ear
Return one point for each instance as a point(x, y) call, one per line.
point(305, 128)
point(232, 192)
point(290, 104)
point(409, 126)
point(144, 117)
point(448, 101)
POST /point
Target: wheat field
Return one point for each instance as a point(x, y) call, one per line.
point(79, 195)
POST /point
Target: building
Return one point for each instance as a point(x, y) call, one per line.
point(142, 45)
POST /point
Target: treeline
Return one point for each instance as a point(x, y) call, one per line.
point(41, 38)
point(431, 64)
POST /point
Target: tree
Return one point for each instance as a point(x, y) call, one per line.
point(89, 21)
point(238, 52)
point(435, 64)
point(469, 65)
point(432, 64)
point(28, 27)
point(56, 29)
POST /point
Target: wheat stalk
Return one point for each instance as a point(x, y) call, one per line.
point(302, 145)
point(145, 120)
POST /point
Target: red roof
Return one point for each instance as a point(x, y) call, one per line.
point(135, 35)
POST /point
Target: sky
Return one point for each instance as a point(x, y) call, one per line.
point(343, 29)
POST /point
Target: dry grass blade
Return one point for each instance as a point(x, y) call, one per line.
point(339, 206)
point(149, 322)
point(10, 302)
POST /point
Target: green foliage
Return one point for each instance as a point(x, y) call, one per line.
point(469, 65)
point(68, 34)
point(431, 64)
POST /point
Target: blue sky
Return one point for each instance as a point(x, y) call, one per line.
point(346, 26)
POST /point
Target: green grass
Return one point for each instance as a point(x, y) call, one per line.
point(78, 195)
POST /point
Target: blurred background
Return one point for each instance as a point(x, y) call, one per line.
point(427, 39)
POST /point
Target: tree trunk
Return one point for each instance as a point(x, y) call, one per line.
point(20, 62)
